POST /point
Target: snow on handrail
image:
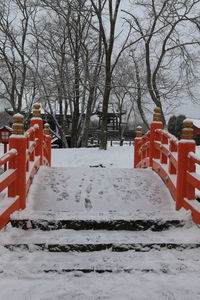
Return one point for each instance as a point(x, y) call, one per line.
point(194, 157)
point(7, 157)
point(167, 134)
point(171, 158)
point(24, 159)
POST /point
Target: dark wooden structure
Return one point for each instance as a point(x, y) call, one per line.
point(47, 118)
point(114, 117)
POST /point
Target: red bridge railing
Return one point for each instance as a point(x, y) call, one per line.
point(173, 160)
point(28, 151)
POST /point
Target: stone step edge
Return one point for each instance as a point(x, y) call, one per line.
point(137, 247)
point(106, 270)
point(130, 225)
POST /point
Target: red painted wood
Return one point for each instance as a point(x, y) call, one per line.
point(174, 162)
point(23, 165)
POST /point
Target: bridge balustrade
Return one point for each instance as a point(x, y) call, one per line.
point(28, 151)
point(173, 160)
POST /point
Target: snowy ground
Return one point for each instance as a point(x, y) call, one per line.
point(113, 157)
point(136, 285)
point(132, 275)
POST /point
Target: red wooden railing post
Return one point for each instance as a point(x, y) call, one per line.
point(185, 145)
point(172, 148)
point(18, 141)
point(156, 124)
point(137, 144)
point(48, 141)
point(36, 119)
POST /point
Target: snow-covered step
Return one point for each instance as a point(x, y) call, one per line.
point(118, 224)
point(37, 263)
point(63, 240)
point(99, 216)
point(94, 286)
point(89, 240)
point(187, 234)
point(139, 247)
point(97, 221)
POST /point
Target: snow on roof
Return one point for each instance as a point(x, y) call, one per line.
point(7, 127)
point(196, 122)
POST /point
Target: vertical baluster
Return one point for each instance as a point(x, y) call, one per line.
point(137, 144)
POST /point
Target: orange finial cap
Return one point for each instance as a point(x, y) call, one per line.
point(187, 131)
point(18, 124)
point(36, 110)
point(139, 131)
point(157, 114)
point(46, 129)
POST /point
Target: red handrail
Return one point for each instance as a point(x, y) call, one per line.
point(174, 161)
point(27, 152)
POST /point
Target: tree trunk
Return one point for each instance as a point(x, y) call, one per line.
point(75, 119)
point(85, 137)
point(139, 94)
point(103, 134)
point(151, 87)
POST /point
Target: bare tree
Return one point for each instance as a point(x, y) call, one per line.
point(164, 43)
point(93, 67)
point(15, 53)
point(128, 91)
point(52, 75)
point(139, 90)
point(77, 18)
point(100, 8)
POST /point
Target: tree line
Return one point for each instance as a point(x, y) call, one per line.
point(71, 55)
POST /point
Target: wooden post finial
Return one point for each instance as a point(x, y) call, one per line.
point(187, 131)
point(157, 114)
point(18, 124)
point(46, 129)
point(36, 110)
point(139, 131)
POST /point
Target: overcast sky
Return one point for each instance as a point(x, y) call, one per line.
point(189, 109)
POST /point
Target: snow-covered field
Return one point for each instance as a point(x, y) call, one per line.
point(113, 157)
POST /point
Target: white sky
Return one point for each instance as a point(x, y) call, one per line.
point(189, 109)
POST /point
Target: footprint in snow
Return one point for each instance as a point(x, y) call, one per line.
point(59, 199)
point(88, 204)
point(89, 189)
point(77, 196)
point(64, 195)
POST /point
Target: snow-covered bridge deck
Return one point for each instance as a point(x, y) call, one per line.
point(99, 193)
point(51, 260)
